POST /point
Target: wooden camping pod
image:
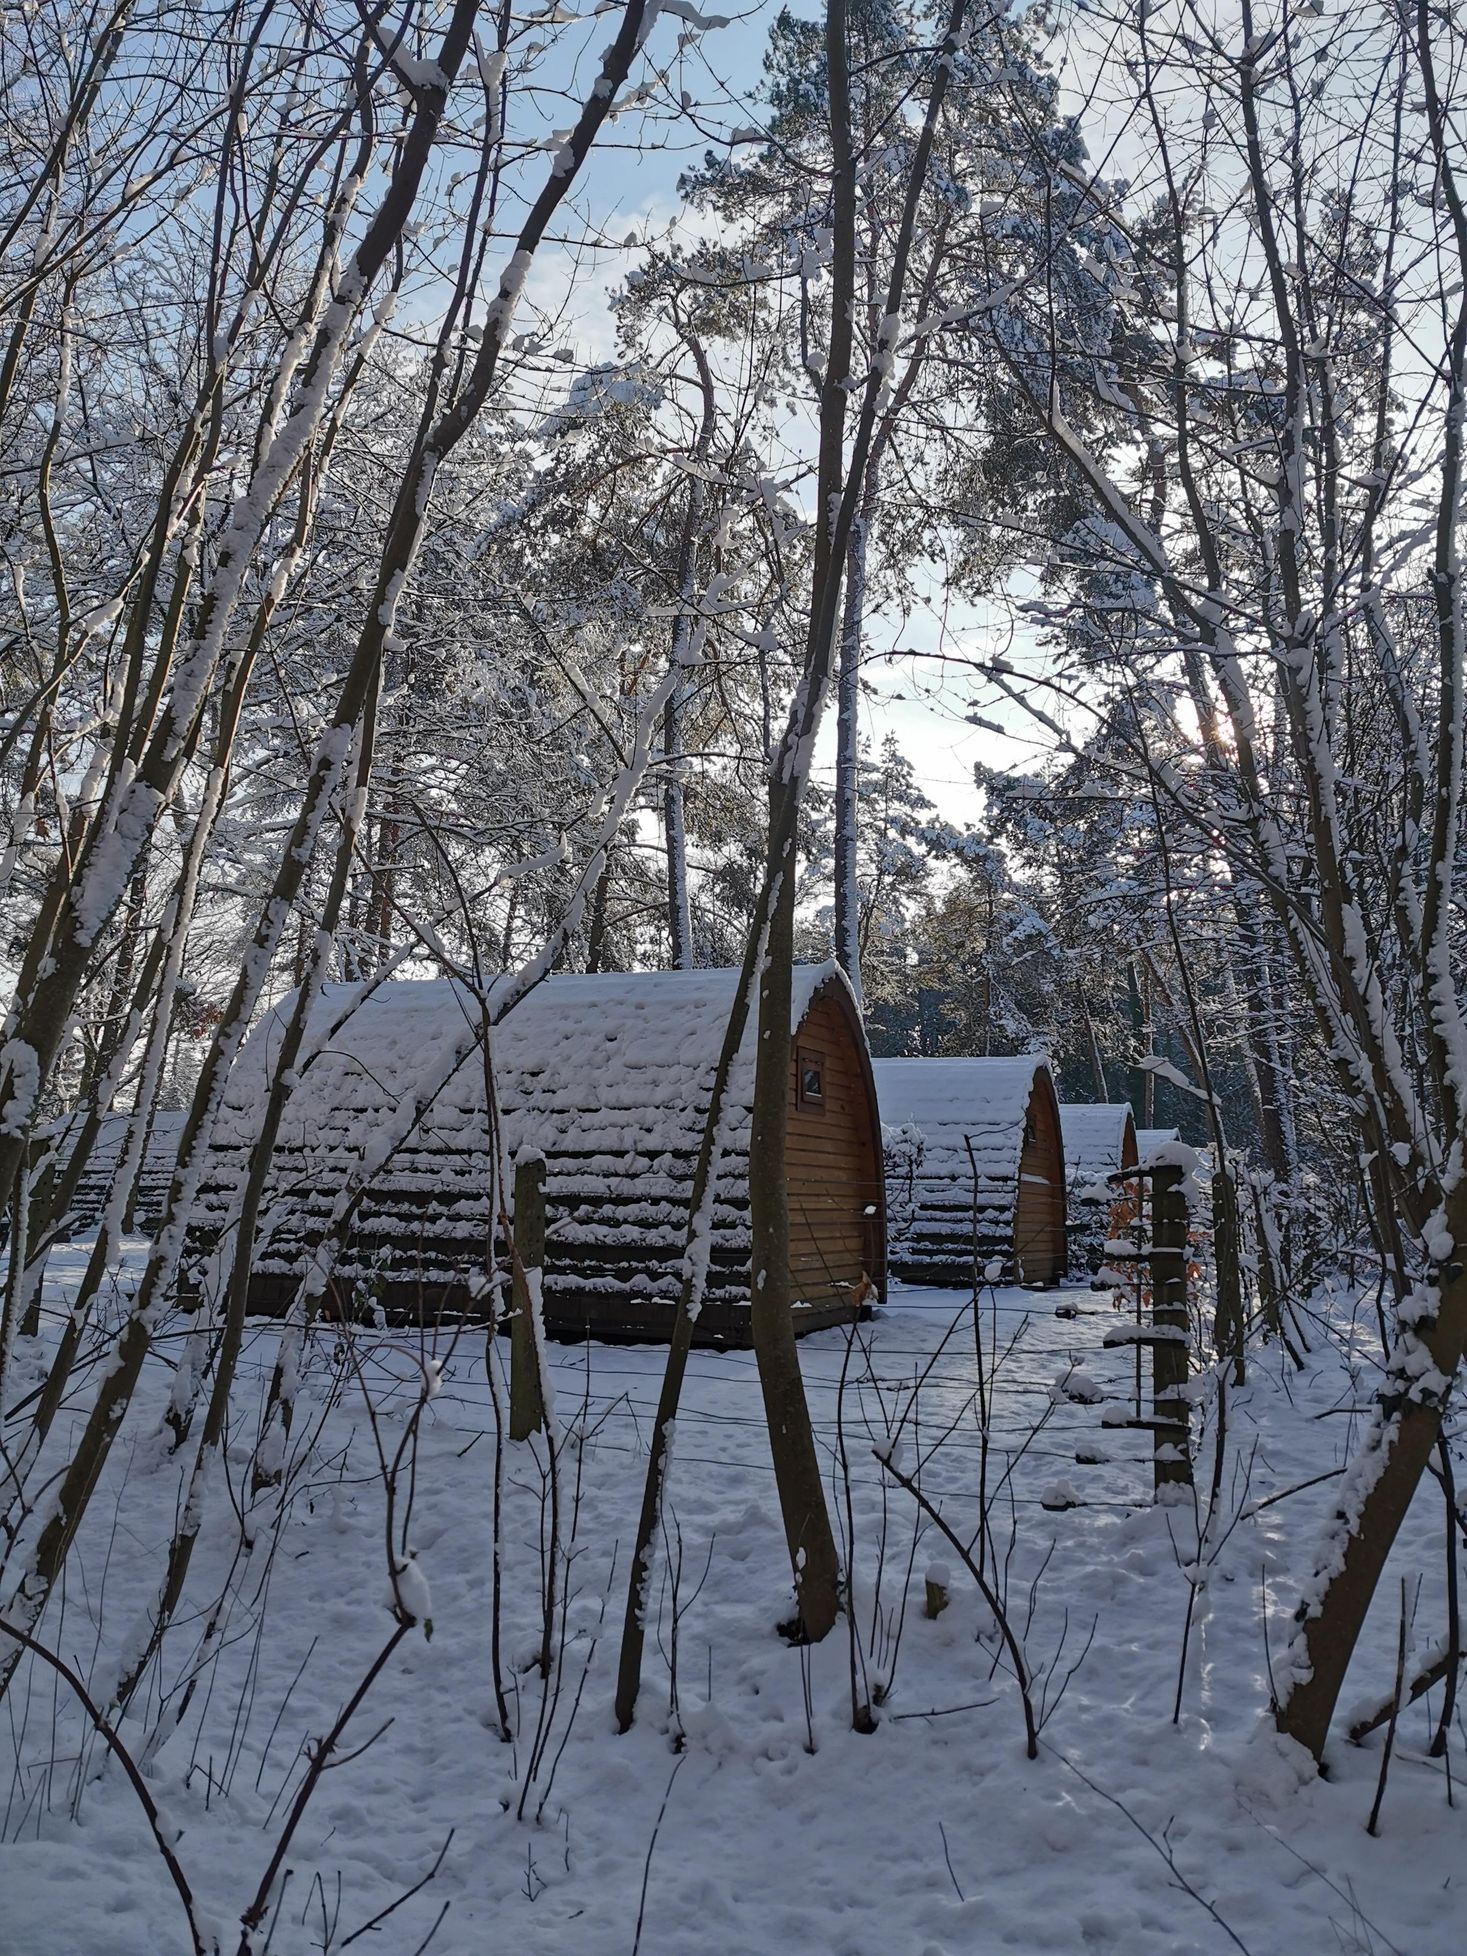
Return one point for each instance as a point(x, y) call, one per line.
point(1100, 1139)
point(608, 1077)
point(974, 1167)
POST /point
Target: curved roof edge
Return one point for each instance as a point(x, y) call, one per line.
point(967, 1093)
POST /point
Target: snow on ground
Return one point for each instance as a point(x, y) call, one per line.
point(776, 1825)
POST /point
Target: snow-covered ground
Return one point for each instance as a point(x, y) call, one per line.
point(776, 1825)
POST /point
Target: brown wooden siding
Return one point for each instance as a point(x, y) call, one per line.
point(837, 1248)
point(1039, 1214)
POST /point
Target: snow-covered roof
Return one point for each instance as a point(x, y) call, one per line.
point(1149, 1139)
point(1095, 1138)
point(610, 1059)
point(958, 1096)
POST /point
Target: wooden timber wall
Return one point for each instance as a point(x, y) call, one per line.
point(1039, 1213)
point(836, 1191)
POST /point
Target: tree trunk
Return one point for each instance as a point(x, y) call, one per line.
point(679, 906)
point(383, 903)
point(596, 934)
point(123, 974)
point(791, 1441)
point(702, 1196)
point(526, 1399)
point(1170, 1408)
point(1092, 1046)
point(1375, 1497)
point(1148, 1036)
point(1230, 1324)
point(848, 750)
point(1138, 1012)
point(179, 1415)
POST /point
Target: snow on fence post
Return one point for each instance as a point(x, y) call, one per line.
point(526, 1406)
point(1170, 1407)
point(937, 1591)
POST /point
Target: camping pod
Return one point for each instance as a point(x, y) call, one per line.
point(1100, 1141)
point(975, 1169)
point(1149, 1139)
point(608, 1078)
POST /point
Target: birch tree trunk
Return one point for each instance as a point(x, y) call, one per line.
point(674, 823)
point(848, 749)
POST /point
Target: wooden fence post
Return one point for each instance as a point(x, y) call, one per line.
point(1227, 1269)
point(1170, 1333)
point(526, 1405)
